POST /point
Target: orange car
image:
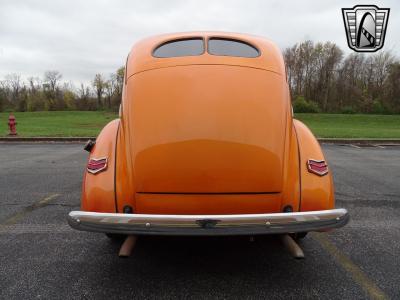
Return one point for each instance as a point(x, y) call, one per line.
point(206, 144)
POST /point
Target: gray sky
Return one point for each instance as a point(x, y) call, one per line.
point(81, 38)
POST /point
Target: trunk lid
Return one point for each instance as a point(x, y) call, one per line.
point(207, 129)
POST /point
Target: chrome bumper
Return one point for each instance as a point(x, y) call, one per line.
point(247, 224)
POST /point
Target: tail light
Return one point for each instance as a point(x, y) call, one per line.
point(318, 167)
point(96, 165)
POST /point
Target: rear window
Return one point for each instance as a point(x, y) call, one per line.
point(229, 47)
point(183, 47)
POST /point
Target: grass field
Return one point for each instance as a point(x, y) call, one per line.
point(352, 126)
point(84, 123)
point(58, 123)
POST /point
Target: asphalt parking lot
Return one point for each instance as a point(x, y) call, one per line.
point(42, 258)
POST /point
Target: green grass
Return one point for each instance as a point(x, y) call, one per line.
point(58, 123)
point(88, 123)
point(352, 126)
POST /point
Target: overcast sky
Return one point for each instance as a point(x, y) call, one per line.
point(82, 38)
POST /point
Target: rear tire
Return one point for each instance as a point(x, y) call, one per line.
point(298, 235)
point(116, 237)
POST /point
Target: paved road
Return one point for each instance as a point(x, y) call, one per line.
point(41, 257)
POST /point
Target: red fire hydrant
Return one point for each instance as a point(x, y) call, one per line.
point(12, 125)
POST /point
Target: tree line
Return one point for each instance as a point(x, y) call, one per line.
point(320, 76)
point(322, 79)
point(50, 93)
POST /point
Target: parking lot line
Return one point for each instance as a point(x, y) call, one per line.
point(350, 267)
point(355, 146)
point(20, 214)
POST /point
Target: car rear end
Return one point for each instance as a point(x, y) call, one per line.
point(208, 147)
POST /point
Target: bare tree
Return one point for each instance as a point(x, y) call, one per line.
point(382, 61)
point(52, 78)
point(109, 90)
point(99, 85)
point(34, 84)
point(311, 70)
point(84, 92)
point(119, 80)
point(392, 87)
point(116, 84)
point(14, 82)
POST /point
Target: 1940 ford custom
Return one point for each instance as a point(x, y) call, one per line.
point(206, 144)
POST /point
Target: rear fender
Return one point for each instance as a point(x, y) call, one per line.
point(98, 190)
point(317, 192)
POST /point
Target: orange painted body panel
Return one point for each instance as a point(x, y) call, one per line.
point(317, 191)
point(142, 60)
point(291, 192)
point(206, 135)
point(178, 204)
point(98, 189)
point(207, 129)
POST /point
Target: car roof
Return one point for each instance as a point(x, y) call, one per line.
point(140, 58)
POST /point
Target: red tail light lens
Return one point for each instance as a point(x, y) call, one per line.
point(96, 165)
point(318, 167)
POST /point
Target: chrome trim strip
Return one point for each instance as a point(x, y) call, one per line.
point(245, 224)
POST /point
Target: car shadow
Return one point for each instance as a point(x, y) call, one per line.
point(205, 266)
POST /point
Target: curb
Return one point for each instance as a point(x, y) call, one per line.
point(18, 139)
point(341, 141)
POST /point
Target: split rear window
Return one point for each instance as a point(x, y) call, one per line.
point(184, 47)
point(216, 46)
point(228, 47)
